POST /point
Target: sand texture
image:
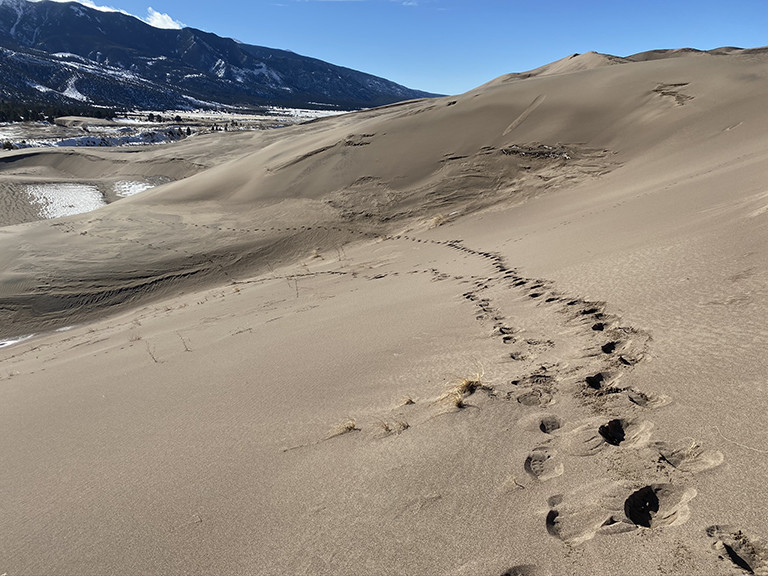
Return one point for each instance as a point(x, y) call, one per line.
point(520, 331)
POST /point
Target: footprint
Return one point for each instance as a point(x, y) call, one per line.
point(585, 440)
point(598, 509)
point(591, 311)
point(659, 505)
point(688, 456)
point(646, 400)
point(613, 432)
point(553, 523)
point(749, 555)
point(524, 570)
point(593, 509)
point(535, 397)
point(544, 422)
point(549, 424)
point(602, 384)
point(594, 436)
point(540, 464)
point(610, 347)
point(623, 432)
point(537, 378)
point(598, 381)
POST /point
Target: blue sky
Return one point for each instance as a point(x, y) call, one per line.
point(450, 46)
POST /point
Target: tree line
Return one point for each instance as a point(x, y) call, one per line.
point(25, 112)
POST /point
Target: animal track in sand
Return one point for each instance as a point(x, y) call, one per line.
point(748, 554)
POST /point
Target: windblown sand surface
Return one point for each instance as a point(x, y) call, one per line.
point(518, 331)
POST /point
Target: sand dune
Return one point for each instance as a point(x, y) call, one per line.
point(517, 331)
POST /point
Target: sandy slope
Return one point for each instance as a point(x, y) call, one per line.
point(518, 331)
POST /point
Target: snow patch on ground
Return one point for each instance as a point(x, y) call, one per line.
point(126, 188)
point(105, 139)
point(304, 114)
point(73, 92)
point(6, 343)
point(41, 88)
point(56, 200)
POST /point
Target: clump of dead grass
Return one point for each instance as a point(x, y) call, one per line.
point(395, 427)
point(464, 388)
point(441, 219)
point(345, 427)
point(407, 401)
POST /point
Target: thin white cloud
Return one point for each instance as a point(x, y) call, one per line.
point(160, 20)
point(153, 18)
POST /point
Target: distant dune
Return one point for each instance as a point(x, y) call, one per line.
point(517, 331)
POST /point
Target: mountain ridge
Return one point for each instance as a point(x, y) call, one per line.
point(68, 52)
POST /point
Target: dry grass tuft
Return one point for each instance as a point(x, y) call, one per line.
point(407, 401)
point(438, 221)
point(344, 428)
point(456, 398)
point(393, 427)
point(458, 394)
point(468, 386)
point(693, 450)
point(441, 219)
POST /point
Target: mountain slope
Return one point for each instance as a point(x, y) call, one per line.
point(64, 52)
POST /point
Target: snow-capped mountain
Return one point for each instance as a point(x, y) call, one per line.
point(53, 52)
